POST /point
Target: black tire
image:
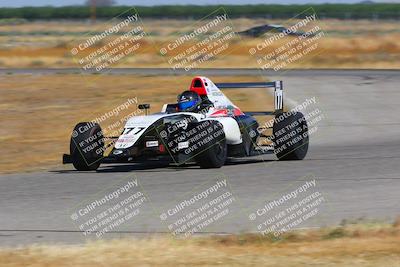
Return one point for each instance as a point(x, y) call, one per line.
point(86, 147)
point(215, 155)
point(290, 136)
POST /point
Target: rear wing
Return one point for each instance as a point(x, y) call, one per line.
point(278, 94)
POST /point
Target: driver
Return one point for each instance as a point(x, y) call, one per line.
point(189, 101)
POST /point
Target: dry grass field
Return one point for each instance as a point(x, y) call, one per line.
point(39, 112)
point(346, 44)
point(349, 246)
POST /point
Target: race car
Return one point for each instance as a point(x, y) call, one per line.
point(203, 127)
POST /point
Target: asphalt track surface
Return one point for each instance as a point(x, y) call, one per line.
point(354, 157)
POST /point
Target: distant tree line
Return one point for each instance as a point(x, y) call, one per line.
point(339, 11)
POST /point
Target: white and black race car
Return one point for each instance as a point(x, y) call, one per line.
point(207, 136)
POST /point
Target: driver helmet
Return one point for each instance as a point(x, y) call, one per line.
point(189, 101)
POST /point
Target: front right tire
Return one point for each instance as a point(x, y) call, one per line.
point(86, 146)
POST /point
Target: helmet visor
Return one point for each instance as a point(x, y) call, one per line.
point(187, 104)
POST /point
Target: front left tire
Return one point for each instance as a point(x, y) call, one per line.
point(213, 157)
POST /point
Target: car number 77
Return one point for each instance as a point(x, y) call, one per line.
point(137, 130)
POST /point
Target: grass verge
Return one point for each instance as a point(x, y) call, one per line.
point(355, 246)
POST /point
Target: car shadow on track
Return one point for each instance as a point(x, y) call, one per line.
point(157, 167)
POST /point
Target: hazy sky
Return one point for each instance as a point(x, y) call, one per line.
point(19, 3)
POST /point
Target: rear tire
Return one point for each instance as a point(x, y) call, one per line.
point(291, 137)
point(86, 146)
